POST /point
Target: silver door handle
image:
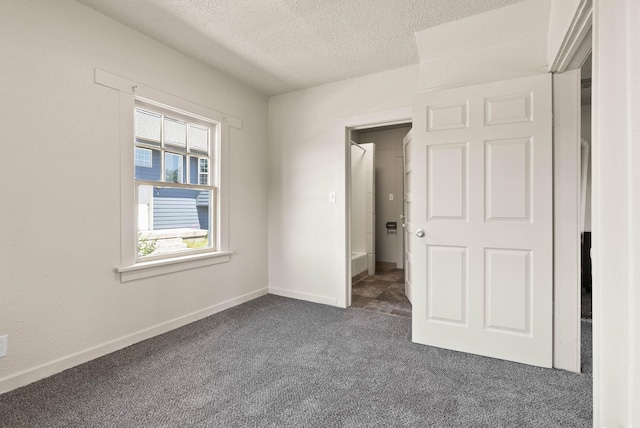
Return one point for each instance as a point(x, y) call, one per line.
point(420, 233)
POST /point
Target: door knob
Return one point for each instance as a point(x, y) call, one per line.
point(420, 233)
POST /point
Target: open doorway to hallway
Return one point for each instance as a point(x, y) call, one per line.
point(377, 213)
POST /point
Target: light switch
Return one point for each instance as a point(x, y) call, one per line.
point(332, 196)
point(391, 196)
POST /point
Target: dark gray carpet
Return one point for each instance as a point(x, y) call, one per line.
point(280, 362)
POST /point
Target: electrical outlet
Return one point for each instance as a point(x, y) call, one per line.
point(391, 196)
point(3, 345)
point(332, 196)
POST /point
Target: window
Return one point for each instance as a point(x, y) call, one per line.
point(203, 178)
point(173, 168)
point(192, 141)
point(143, 158)
point(175, 182)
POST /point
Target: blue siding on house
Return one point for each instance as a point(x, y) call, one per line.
point(180, 208)
point(174, 208)
point(193, 170)
point(202, 199)
point(203, 216)
point(202, 204)
point(165, 192)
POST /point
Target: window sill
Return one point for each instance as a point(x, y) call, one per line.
point(175, 264)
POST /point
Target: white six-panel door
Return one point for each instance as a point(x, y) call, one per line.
point(480, 187)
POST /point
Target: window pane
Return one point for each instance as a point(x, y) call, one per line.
point(172, 220)
point(204, 171)
point(175, 132)
point(143, 158)
point(145, 196)
point(174, 168)
point(151, 172)
point(198, 170)
point(199, 139)
point(193, 170)
point(147, 125)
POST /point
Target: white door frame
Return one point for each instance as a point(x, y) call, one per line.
point(363, 121)
point(575, 49)
point(616, 213)
point(615, 205)
point(566, 220)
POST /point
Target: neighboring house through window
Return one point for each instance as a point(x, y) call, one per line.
point(175, 183)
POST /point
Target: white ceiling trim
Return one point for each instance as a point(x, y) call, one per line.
point(574, 41)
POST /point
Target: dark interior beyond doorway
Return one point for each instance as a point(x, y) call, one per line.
point(586, 275)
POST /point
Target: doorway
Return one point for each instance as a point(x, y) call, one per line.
point(376, 220)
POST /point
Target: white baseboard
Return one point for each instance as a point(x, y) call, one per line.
point(33, 374)
point(303, 296)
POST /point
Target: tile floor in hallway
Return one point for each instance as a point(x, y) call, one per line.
point(382, 292)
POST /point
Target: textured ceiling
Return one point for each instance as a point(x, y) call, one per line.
point(278, 46)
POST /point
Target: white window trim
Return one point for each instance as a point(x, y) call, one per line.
point(131, 91)
point(147, 269)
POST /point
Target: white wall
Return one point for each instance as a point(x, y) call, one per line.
point(388, 147)
point(370, 212)
point(307, 233)
point(61, 302)
point(504, 43)
point(385, 209)
point(616, 213)
point(362, 200)
point(358, 201)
